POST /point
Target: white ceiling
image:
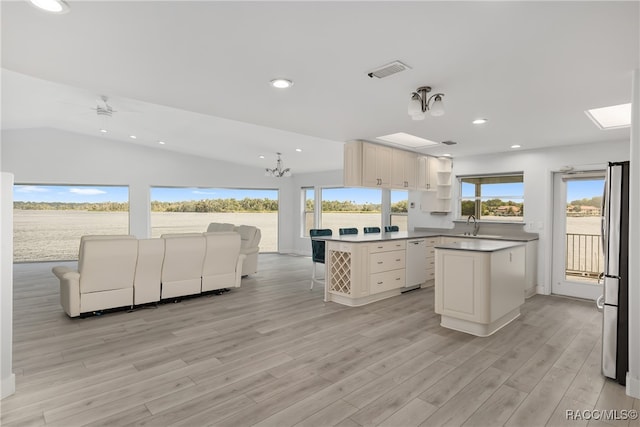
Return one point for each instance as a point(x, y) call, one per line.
point(195, 74)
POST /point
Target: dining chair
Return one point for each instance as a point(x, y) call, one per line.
point(344, 231)
point(317, 250)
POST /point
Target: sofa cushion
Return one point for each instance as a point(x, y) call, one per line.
point(107, 264)
point(250, 236)
point(220, 226)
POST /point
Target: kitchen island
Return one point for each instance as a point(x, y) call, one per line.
point(361, 269)
point(479, 284)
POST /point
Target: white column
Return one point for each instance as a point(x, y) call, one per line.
point(7, 377)
point(386, 207)
point(633, 375)
point(140, 210)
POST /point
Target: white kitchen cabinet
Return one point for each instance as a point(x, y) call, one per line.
point(359, 273)
point(479, 291)
point(376, 165)
point(373, 165)
point(427, 173)
point(403, 169)
point(430, 260)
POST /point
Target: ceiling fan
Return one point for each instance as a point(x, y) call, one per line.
point(103, 108)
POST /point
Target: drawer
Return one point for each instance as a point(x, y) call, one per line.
point(385, 261)
point(430, 263)
point(392, 245)
point(431, 274)
point(432, 241)
point(386, 281)
point(431, 252)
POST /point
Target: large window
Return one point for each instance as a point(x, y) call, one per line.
point(185, 210)
point(492, 197)
point(350, 207)
point(399, 209)
point(48, 220)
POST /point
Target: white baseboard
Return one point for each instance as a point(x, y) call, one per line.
point(8, 386)
point(633, 386)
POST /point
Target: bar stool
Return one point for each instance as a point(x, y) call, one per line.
point(388, 228)
point(371, 229)
point(344, 231)
point(317, 250)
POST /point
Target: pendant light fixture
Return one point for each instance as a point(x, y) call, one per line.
point(420, 103)
point(278, 171)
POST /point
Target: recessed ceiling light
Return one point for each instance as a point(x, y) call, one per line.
point(299, 150)
point(51, 6)
point(281, 83)
point(261, 157)
point(161, 142)
point(133, 136)
point(446, 155)
point(479, 121)
point(103, 130)
point(406, 139)
point(614, 117)
point(515, 146)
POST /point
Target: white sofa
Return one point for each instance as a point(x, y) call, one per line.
point(122, 271)
point(222, 267)
point(249, 246)
point(105, 276)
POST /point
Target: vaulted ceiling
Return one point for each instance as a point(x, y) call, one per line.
point(195, 74)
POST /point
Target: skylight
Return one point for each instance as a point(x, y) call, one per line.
point(406, 140)
point(614, 117)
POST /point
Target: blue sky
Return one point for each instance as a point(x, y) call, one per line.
point(164, 194)
point(578, 189)
point(584, 189)
point(69, 194)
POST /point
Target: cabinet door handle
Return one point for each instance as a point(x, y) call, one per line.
point(398, 260)
point(397, 278)
point(379, 262)
point(380, 283)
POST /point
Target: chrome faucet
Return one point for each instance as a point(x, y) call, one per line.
point(476, 226)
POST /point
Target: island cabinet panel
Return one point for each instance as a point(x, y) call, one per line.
point(462, 295)
point(359, 273)
point(479, 291)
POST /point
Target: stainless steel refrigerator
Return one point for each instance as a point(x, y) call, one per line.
point(615, 301)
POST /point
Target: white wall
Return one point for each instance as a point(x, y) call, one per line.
point(7, 378)
point(48, 156)
point(538, 167)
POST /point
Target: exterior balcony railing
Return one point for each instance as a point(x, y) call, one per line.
point(584, 257)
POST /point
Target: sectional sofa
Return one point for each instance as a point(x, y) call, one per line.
point(249, 243)
point(120, 271)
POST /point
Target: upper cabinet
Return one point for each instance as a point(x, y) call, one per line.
point(373, 165)
point(376, 165)
point(403, 169)
point(427, 173)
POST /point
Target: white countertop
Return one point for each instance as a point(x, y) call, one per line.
point(480, 245)
point(378, 237)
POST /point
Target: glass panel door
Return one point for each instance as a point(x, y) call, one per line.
point(577, 251)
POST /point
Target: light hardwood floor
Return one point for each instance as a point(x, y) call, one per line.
point(272, 353)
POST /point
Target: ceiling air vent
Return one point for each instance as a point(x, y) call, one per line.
point(389, 69)
point(449, 142)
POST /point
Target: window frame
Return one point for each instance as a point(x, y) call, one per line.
point(479, 199)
